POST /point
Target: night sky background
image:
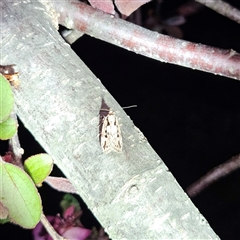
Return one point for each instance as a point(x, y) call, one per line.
point(190, 118)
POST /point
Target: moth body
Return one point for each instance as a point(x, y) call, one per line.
point(111, 137)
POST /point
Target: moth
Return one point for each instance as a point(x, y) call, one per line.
point(110, 131)
point(110, 135)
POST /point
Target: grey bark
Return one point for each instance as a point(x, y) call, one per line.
point(132, 193)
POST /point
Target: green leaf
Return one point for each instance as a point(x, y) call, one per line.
point(6, 99)
point(2, 221)
point(68, 201)
point(8, 128)
point(39, 167)
point(20, 196)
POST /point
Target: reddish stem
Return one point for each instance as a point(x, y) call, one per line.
point(214, 175)
point(77, 15)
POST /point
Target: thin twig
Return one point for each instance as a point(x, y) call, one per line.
point(223, 8)
point(214, 175)
point(15, 147)
point(50, 229)
point(77, 15)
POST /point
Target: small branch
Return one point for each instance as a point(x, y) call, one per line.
point(50, 229)
point(77, 15)
point(15, 147)
point(214, 175)
point(223, 8)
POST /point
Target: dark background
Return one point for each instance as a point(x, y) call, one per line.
point(191, 118)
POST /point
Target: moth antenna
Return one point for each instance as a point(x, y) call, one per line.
point(130, 106)
point(105, 109)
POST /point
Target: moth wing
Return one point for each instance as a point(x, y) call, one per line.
point(105, 141)
point(117, 139)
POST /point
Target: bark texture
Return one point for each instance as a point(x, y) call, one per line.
point(132, 193)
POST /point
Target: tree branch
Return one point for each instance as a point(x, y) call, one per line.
point(132, 193)
point(223, 8)
point(214, 175)
point(77, 15)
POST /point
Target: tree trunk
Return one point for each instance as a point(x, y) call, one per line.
point(132, 193)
